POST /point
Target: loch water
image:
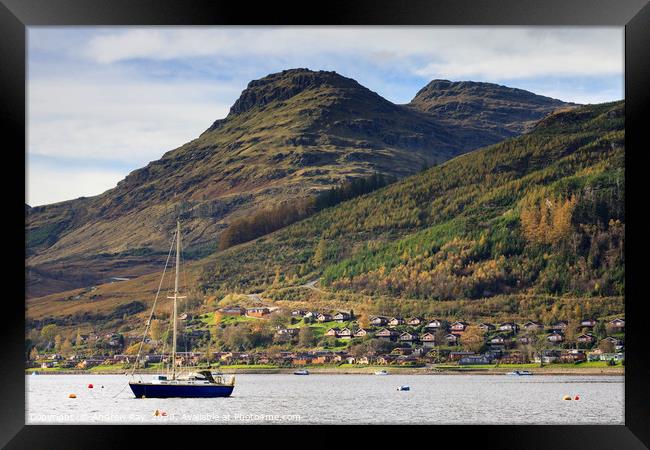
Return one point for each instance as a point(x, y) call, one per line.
point(337, 399)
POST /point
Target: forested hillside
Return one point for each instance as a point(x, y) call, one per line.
point(541, 213)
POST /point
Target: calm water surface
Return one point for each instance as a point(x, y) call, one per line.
point(338, 399)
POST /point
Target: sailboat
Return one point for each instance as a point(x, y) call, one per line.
point(200, 384)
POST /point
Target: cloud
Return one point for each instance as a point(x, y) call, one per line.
point(103, 101)
point(119, 119)
point(511, 66)
point(493, 53)
point(45, 185)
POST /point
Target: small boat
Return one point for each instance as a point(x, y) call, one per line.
point(519, 372)
point(404, 387)
point(200, 384)
point(381, 372)
point(301, 372)
point(34, 373)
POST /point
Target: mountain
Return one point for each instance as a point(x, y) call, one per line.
point(484, 113)
point(288, 136)
point(532, 227)
point(541, 213)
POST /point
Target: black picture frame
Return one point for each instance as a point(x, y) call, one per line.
point(16, 15)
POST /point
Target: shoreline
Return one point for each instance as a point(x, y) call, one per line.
point(617, 371)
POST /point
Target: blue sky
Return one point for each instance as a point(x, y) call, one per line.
point(103, 101)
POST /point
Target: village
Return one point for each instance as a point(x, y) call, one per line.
point(339, 340)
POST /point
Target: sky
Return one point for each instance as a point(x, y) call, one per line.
point(103, 101)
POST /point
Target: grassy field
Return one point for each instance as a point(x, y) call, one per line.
point(326, 325)
point(208, 319)
point(248, 366)
point(376, 367)
point(111, 367)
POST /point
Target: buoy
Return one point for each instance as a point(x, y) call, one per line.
point(156, 413)
point(102, 386)
point(90, 386)
point(72, 396)
point(577, 397)
point(566, 397)
point(164, 413)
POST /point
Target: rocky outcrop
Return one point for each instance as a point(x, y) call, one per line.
point(284, 85)
point(496, 111)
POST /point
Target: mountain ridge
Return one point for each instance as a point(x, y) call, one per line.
point(490, 112)
point(289, 135)
point(454, 239)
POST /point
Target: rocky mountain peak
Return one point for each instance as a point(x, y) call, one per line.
point(441, 89)
point(284, 85)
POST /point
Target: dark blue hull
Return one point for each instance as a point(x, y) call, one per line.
point(180, 390)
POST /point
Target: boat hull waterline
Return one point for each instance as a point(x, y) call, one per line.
point(151, 390)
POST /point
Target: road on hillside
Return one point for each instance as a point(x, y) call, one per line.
point(312, 285)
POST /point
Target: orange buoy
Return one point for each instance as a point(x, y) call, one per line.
point(577, 397)
point(72, 396)
point(90, 386)
point(566, 397)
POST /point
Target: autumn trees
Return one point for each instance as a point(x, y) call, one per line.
point(364, 320)
point(273, 218)
point(263, 222)
point(454, 270)
point(243, 337)
point(49, 333)
point(306, 338)
point(156, 330)
point(549, 221)
point(320, 253)
point(473, 338)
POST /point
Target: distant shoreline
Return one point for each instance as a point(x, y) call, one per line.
point(615, 371)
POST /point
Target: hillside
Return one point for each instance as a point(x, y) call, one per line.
point(288, 136)
point(464, 237)
point(541, 213)
point(484, 113)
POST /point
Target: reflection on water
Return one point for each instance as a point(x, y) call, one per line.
point(358, 399)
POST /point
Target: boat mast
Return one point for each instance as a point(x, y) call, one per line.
point(176, 296)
